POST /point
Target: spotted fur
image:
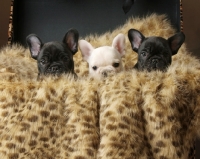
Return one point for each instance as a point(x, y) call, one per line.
point(130, 115)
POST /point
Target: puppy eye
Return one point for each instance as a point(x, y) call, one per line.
point(116, 65)
point(43, 62)
point(94, 67)
point(143, 53)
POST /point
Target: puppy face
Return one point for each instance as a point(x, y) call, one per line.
point(54, 58)
point(154, 53)
point(106, 59)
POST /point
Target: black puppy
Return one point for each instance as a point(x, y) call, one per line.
point(154, 53)
point(54, 58)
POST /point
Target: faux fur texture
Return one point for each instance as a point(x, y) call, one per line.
point(129, 115)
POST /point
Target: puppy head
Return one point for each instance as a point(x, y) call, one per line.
point(54, 58)
point(105, 59)
point(154, 53)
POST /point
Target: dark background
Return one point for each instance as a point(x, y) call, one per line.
point(4, 21)
point(191, 13)
point(50, 19)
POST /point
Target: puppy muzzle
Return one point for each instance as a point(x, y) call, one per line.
point(105, 73)
point(109, 70)
point(156, 64)
point(55, 69)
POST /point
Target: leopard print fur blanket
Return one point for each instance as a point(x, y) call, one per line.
point(129, 115)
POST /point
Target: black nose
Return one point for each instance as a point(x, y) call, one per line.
point(54, 68)
point(154, 61)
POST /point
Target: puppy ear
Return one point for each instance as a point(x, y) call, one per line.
point(136, 38)
point(127, 5)
point(176, 41)
point(86, 49)
point(35, 44)
point(119, 44)
point(71, 39)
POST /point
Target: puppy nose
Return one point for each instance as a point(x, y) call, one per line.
point(104, 73)
point(54, 68)
point(154, 61)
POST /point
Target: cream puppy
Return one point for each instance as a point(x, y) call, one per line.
point(105, 59)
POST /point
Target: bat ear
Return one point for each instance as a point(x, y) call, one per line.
point(136, 38)
point(127, 5)
point(119, 44)
point(35, 44)
point(176, 41)
point(71, 40)
point(86, 49)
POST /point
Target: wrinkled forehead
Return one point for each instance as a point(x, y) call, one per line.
point(154, 42)
point(104, 55)
point(53, 46)
point(54, 50)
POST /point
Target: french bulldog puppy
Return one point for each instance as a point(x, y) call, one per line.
point(104, 60)
point(154, 53)
point(54, 58)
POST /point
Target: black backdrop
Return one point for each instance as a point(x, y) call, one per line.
point(50, 19)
